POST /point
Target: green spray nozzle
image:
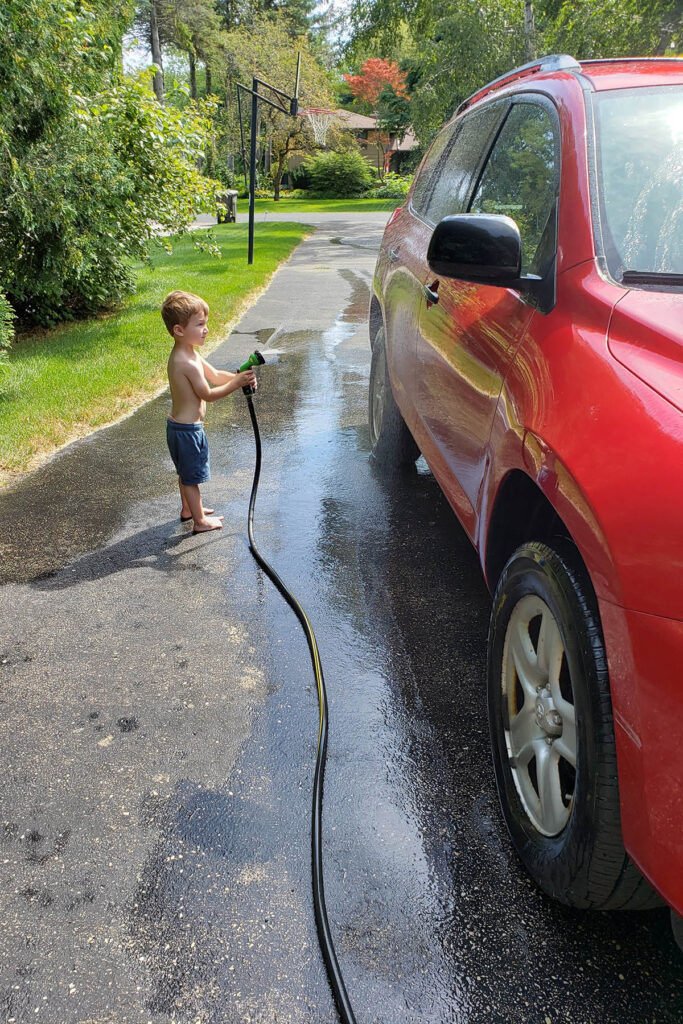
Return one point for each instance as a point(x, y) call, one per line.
point(255, 359)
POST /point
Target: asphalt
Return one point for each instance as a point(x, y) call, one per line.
point(159, 722)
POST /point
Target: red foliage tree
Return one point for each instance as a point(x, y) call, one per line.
point(376, 75)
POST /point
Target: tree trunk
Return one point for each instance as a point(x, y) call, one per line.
point(278, 175)
point(193, 75)
point(156, 51)
point(667, 27)
point(529, 31)
point(208, 79)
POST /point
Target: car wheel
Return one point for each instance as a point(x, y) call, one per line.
point(391, 442)
point(552, 733)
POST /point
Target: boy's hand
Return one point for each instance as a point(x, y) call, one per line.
point(248, 377)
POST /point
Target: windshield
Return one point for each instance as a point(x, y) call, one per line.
point(640, 179)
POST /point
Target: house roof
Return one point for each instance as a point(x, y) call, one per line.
point(407, 143)
point(353, 120)
point(361, 121)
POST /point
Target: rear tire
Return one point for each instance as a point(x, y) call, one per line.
point(391, 442)
point(677, 928)
point(552, 732)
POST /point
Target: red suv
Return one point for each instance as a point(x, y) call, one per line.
point(527, 338)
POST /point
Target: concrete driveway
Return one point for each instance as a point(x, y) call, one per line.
point(159, 722)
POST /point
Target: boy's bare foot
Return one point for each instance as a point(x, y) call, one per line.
point(185, 516)
point(207, 524)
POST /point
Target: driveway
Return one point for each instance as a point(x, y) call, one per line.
point(159, 725)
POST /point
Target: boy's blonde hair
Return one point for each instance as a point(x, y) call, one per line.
point(178, 307)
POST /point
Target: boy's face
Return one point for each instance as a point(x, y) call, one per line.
point(195, 330)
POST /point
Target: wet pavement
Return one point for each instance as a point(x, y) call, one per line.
point(159, 722)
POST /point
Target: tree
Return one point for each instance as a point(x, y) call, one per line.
point(456, 46)
point(265, 49)
point(193, 26)
point(616, 28)
point(89, 160)
point(147, 24)
point(376, 76)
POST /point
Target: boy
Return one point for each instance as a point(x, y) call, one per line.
point(190, 377)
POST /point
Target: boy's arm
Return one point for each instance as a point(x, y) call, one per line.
point(200, 386)
point(215, 376)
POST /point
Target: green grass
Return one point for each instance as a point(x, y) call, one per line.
point(286, 205)
point(63, 383)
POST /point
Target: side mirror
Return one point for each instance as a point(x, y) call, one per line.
point(484, 248)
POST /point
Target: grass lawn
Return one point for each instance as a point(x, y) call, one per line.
point(286, 205)
point(63, 383)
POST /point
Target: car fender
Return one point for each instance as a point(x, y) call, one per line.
point(514, 449)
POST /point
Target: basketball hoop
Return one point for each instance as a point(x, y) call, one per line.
point(320, 121)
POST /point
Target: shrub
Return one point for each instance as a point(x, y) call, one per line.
point(395, 186)
point(299, 178)
point(339, 175)
point(6, 326)
point(91, 165)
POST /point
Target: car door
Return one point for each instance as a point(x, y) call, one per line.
point(468, 333)
point(401, 259)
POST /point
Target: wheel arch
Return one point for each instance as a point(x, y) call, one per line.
point(375, 319)
point(521, 512)
point(539, 505)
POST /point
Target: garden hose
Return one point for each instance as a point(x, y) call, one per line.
point(322, 924)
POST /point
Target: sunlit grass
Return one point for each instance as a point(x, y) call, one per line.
point(286, 205)
point(62, 383)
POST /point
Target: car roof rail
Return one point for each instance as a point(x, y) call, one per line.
point(553, 62)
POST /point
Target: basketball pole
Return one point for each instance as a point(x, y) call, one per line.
point(278, 105)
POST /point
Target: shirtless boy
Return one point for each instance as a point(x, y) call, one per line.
point(190, 377)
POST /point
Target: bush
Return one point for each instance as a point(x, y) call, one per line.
point(6, 326)
point(91, 165)
point(395, 186)
point(299, 178)
point(338, 175)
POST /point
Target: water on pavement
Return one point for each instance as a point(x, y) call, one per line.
point(160, 721)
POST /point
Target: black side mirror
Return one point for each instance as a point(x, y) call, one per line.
point(485, 248)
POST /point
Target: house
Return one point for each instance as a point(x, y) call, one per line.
point(385, 152)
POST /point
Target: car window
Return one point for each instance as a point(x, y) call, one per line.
point(640, 175)
point(422, 190)
point(461, 162)
point(520, 180)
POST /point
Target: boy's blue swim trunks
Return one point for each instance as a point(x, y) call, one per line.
point(189, 450)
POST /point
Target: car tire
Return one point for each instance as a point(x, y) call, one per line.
point(391, 442)
point(552, 731)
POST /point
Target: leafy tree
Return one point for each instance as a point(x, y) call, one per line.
point(89, 160)
point(147, 24)
point(265, 49)
point(193, 26)
point(615, 28)
point(393, 113)
point(455, 46)
point(376, 77)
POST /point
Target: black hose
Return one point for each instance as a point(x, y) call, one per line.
point(324, 936)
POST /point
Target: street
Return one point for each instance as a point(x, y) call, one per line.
point(159, 722)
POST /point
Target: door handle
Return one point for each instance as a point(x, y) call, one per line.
point(430, 293)
point(393, 255)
